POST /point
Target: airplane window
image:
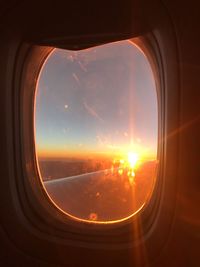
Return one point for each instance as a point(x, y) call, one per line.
point(96, 131)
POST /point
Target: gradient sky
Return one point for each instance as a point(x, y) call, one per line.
point(98, 100)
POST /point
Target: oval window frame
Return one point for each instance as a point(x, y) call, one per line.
point(41, 205)
point(74, 217)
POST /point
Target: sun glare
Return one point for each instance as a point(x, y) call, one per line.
point(132, 159)
point(126, 165)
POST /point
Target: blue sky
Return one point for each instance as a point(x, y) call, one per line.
point(101, 100)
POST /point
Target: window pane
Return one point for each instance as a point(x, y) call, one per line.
point(96, 122)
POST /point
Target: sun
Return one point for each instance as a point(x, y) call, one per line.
point(132, 159)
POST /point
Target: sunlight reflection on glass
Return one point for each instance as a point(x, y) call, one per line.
point(96, 131)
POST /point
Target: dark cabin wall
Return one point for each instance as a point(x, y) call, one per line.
point(184, 244)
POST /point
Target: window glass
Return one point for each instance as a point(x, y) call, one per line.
point(96, 125)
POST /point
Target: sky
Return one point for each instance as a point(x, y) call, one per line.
point(100, 100)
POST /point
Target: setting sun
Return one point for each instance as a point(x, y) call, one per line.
point(132, 159)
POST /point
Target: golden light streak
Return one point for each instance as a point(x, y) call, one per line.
point(132, 158)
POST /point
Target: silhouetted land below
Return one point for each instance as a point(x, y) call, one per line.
point(92, 190)
point(54, 169)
